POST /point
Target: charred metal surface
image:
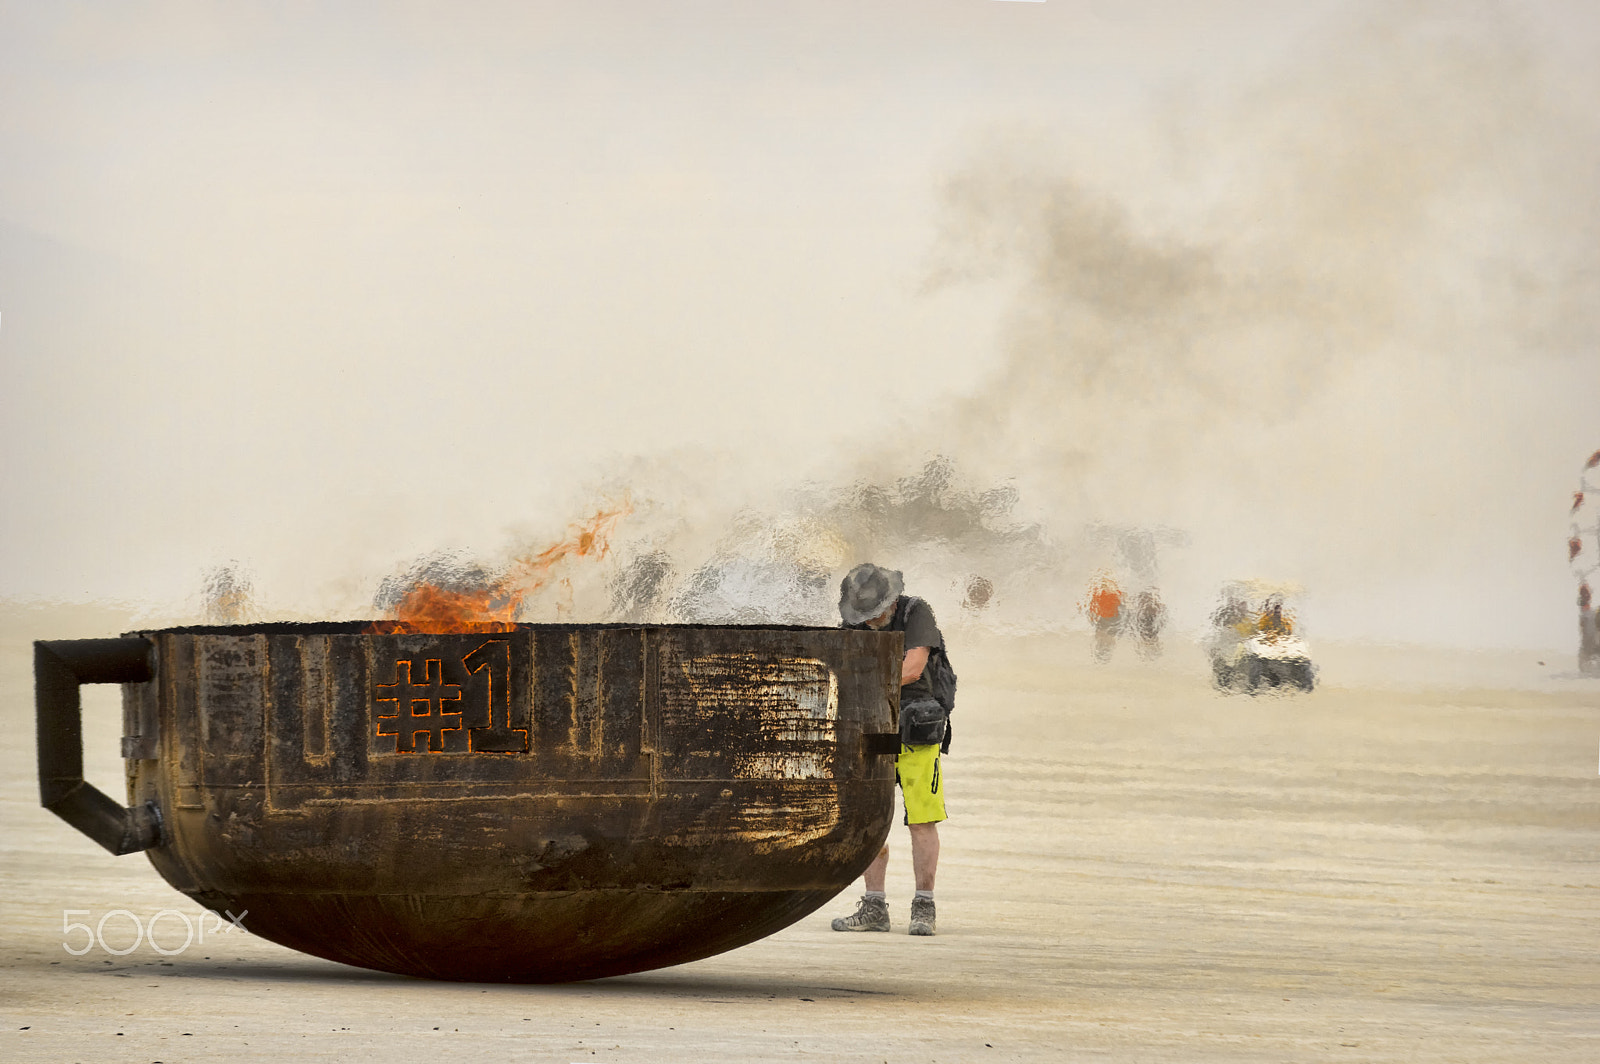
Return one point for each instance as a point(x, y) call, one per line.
point(552, 803)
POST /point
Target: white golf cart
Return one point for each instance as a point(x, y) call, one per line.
point(1253, 645)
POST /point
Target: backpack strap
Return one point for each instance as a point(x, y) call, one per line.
point(902, 611)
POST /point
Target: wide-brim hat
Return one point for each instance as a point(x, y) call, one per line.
point(866, 591)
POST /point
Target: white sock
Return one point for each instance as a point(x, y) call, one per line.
point(878, 894)
point(925, 894)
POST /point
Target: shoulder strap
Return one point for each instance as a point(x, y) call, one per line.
point(902, 611)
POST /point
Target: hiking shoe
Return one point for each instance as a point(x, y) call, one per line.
point(872, 916)
point(922, 918)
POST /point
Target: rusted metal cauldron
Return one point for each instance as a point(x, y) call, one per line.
point(551, 803)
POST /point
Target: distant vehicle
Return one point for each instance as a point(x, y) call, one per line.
point(1252, 648)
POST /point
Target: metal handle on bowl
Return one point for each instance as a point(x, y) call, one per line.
point(60, 667)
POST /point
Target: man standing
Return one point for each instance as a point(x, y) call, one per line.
point(870, 597)
point(1105, 613)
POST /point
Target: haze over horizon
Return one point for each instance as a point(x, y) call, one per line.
point(323, 293)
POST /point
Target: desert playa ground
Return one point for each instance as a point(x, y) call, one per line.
point(1403, 865)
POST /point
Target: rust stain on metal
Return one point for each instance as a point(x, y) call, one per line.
point(788, 708)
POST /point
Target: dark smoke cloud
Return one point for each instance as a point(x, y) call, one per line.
point(1303, 222)
point(1286, 334)
point(783, 562)
point(1305, 319)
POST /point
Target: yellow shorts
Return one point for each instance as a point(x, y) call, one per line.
point(917, 772)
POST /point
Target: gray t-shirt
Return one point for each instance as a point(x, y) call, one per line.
point(914, 617)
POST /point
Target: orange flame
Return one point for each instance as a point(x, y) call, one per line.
point(436, 610)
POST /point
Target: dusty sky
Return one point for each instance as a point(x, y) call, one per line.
point(320, 288)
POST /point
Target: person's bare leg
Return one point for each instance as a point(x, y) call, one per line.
point(873, 913)
point(924, 856)
point(873, 876)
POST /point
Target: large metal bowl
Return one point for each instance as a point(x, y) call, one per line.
point(549, 803)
